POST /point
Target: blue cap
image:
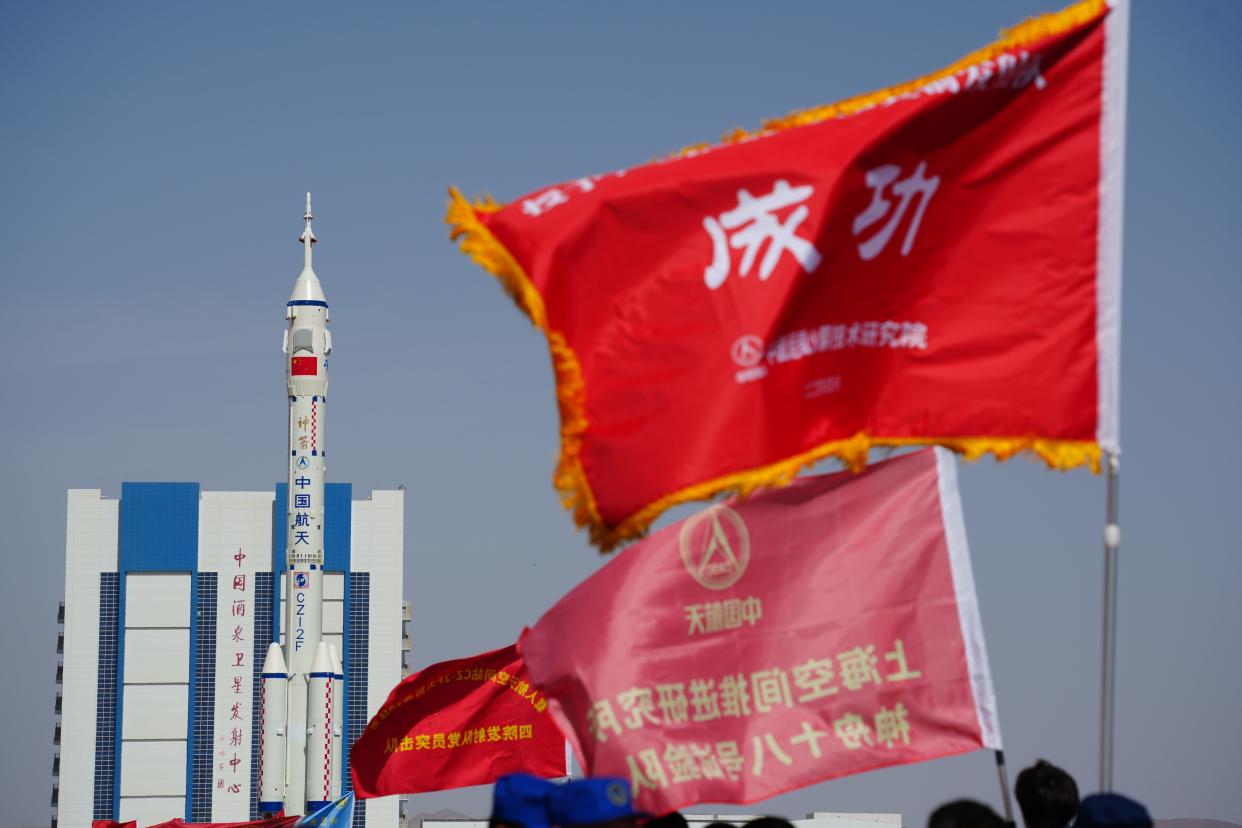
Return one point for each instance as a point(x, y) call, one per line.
point(522, 799)
point(588, 801)
point(1111, 811)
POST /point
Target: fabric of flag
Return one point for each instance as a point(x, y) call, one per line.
point(270, 822)
point(823, 629)
point(458, 723)
point(934, 263)
point(338, 814)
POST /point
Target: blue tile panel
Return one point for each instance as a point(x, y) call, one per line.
point(105, 689)
point(159, 527)
point(158, 533)
point(202, 718)
point(357, 666)
point(264, 601)
point(337, 521)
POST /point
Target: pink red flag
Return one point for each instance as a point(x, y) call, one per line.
point(815, 631)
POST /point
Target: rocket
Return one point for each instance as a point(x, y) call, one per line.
point(301, 690)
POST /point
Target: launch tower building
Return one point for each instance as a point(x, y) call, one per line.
point(191, 684)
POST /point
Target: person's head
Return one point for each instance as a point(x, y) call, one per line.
point(964, 813)
point(520, 800)
point(1111, 811)
point(600, 802)
point(1047, 796)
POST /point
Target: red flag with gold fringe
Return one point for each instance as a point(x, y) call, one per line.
point(458, 723)
point(938, 262)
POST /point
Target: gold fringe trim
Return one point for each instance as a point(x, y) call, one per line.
point(570, 480)
point(852, 452)
point(1026, 33)
point(477, 242)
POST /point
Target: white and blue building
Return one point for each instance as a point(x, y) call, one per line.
point(172, 595)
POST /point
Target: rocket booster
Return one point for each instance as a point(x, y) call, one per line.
point(300, 718)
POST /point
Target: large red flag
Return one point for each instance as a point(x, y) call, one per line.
point(458, 723)
point(938, 262)
point(806, 633)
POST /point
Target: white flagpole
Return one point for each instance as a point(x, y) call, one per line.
point(1108, 684)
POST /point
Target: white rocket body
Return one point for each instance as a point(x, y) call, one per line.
point(320, 727)
point(274, 717)
point(338, 721)
point(307, 345)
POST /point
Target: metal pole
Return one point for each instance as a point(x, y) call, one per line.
point(1108, 684)
point(1004, 786)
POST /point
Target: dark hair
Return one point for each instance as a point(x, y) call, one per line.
point(964, 813)
point(1047, 795)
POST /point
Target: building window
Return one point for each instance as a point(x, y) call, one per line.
point(105, 696)
point(204, 698)
point(263, 608)
point(357, 654)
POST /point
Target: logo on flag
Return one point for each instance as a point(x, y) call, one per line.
point(715, 547)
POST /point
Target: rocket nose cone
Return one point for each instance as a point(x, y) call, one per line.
point(323, 660)
point(336, 662)
point(274, 661)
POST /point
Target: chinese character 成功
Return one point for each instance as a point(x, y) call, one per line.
point(878, 179)
point(754, 222)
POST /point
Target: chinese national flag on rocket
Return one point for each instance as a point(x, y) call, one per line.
point(458, 723)
point(938, 262)
point(823, 629)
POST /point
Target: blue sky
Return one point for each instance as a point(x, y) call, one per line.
point(155, 160)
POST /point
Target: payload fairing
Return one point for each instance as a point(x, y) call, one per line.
point(300, 754)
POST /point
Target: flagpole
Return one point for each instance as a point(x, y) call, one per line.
point(1003, 774)
point(1108, 683)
